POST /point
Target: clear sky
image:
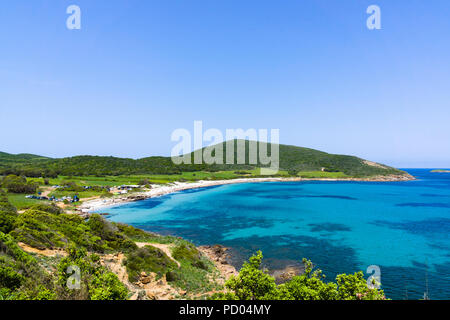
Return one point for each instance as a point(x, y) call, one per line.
point(137, 70)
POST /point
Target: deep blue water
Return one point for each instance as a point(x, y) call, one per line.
point(403, 227)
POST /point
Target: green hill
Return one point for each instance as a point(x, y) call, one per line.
point(292, 159)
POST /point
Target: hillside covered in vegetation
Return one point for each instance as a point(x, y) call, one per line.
point(47, 254)
point(42, 247)
point(293, 160)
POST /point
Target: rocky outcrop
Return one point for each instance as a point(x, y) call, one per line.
point(286, 274)
point(220, 257)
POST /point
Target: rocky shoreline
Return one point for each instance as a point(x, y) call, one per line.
point(219, 255)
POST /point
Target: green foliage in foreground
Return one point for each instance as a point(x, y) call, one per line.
point(96, 282)
point(18, 270)
point(253, 283)
point(23, 278)
point(44, 226)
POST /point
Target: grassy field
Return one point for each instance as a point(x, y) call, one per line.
point(154, 179)
point(322, 175)
point(20, 202)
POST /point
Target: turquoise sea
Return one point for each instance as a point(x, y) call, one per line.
point(403, 227)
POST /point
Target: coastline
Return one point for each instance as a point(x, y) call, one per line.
point(161, 190)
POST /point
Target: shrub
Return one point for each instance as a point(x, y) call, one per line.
point(8, 215)
point(138, 234)
point(49, 208)
point(172, 276)
point(190, 254)
point(96, 282)
point(42, 230)
point(107, 286)
point(148, 259)
point(16, 184)
point(21, 277)
point(252, 283)
point(9, 278)
point(109, 232)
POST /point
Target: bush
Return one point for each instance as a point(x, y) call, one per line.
point(252, 283)
point(138, 235)
point(8, 215)
point(148, 259)
point(9, 278)
point(107, 286)
point(49, 208)
point(21, 277)
point(189, 253)
point(172, 276)
point(15, 184)
point(96, 282)
point(109, 232)
point(41, 230)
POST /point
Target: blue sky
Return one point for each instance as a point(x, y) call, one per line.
point(137, 70)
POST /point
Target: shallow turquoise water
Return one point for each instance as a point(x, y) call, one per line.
point(403, 227)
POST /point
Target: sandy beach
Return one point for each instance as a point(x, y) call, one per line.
point(160, 190)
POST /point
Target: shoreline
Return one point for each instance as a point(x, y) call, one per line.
point(161, 190)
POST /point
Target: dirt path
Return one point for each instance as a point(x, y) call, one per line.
point(45, 252)
point(46, 191)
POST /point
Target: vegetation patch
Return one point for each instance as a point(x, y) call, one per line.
point(148, 259)
point(322, 174)
point(96, 282)
point(253, 283)
point(8, 214)
point(292, 159)
point(195, 273)
point(188, 254)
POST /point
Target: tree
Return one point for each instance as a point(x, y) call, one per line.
point(308, 286)
point(16, 184)
point(253, 283)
